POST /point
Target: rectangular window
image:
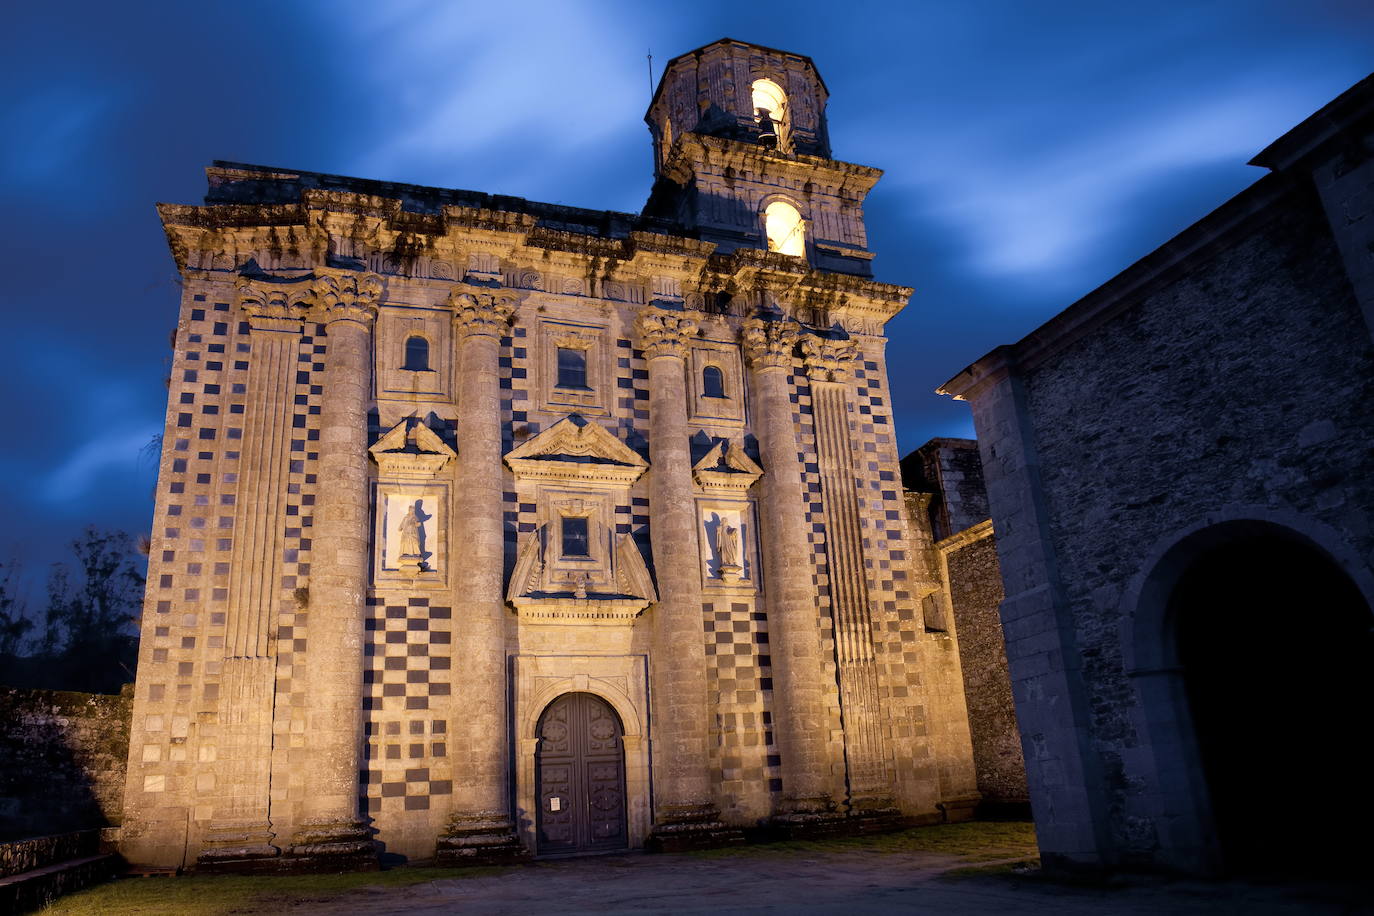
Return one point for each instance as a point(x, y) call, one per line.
point(575, 540)
point(572, 368)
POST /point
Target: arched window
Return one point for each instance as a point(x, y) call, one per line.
point(417, 354)
point(770, 113)
point(712, 382)
point(785, 229)
point(572, 368)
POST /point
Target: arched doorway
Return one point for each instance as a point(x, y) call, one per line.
point(580, 777)
point(1276, 653)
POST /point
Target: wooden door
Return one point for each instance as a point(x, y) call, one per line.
point(580, 777)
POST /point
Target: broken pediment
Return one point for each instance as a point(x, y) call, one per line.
point(576, 450)
point(726, 467)
point(411, 448)
point(601, 594)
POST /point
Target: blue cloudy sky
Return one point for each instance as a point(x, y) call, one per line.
point(1032, 151)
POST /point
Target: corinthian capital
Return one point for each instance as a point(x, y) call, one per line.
point(829, 360)
point(769, 344)
point(273, 307)
point(663, 332)
point(347, 295)
point(481, 314)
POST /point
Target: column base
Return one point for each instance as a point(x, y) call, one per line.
point(684, 827)
point(330, 845)
point(807, 819)
point(874, 814)
point(238, 847)
point(480, 839)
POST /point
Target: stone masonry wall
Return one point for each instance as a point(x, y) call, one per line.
point(1249, 381)
point(64, 756)
point(975, 591)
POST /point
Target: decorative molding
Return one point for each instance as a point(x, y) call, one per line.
point(829, 360)
point(769, 344)
point(577, 451)
point(477, 312)
point(726, 469)
point(663, 332)
point(537, 594)
point(411, 449)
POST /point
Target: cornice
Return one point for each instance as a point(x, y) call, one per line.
point(721, 153)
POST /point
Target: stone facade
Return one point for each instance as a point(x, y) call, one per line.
point(436, 460)
point(1216, 397)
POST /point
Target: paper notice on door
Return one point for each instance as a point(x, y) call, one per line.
point(555, 803)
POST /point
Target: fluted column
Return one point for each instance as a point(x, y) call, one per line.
point(827, 365)
point(793, 622)
point(480, 829)
point(331, 830)
point(684, 813)
point(241, 832)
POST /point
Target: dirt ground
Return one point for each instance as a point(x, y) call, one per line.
point(847, 882)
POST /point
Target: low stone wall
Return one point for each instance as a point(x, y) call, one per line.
point(64, 756)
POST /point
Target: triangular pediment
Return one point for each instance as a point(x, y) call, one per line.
point(726, 467)
point(409, 448)
point(576, 449)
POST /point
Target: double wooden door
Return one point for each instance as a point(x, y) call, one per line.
point(580, 777)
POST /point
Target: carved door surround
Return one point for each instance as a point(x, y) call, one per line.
point(621, 683)
point(580, 772)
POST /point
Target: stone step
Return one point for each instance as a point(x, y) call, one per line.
point(37, 887)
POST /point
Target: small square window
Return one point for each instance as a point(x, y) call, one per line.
point(572, 368)
point(575, 540)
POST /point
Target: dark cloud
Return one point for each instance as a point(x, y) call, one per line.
point(1032, 151)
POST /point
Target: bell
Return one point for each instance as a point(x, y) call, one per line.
point(768, 134)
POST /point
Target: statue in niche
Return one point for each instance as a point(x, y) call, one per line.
point(728, 568)
point(412, 547)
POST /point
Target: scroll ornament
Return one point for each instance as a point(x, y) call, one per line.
point(829, 360)
point(663, 332)
point(769, 344)
point(481, 313)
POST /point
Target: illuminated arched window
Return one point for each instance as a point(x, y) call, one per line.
point(712, 382)
point(770, 112)
point(417, 354)
point(785, 229)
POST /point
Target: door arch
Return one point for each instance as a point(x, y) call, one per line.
point(1254, 665)
point(580, 777)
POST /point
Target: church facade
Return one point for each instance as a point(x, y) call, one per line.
point(488, 528)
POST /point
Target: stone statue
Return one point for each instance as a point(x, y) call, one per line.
point(410, 533)
point(727, 551)
point(727, 544)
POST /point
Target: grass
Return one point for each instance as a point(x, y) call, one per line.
point(207, 895)
point(977, 841)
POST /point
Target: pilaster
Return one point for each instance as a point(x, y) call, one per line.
point(684, 812)
point(828, 364)
point(480, 829)
point(331, 835)
point(793, 623)
point(240, 836)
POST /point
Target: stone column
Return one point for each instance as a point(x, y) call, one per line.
point(870, 790)
point(480, 829)
point(241, 834)
point(331, 835)
point(799, 717)
point(684, 812)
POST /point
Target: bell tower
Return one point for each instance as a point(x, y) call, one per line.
point(742, 157)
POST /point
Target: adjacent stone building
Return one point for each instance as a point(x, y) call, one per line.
point(487, 527)
point(1180, 468)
